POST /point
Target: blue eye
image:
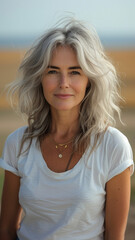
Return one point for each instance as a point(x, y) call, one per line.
point(52, 72)
point(75, 73)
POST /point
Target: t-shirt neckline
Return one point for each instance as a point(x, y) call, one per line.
point(77, 168)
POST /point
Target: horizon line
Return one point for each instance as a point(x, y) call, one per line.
point(106, 40)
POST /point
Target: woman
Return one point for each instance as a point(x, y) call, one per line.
point(69, 169)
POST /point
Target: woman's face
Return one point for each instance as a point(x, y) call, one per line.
point(64, 83)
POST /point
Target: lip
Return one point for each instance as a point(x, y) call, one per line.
point(63, 96)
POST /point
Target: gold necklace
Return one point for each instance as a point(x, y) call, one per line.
point(61, 145)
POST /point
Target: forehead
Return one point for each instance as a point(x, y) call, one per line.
point(64, 54)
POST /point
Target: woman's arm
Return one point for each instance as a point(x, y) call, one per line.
point(117, 206)
point(10, 208)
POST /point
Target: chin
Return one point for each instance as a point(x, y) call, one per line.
point(66, 108)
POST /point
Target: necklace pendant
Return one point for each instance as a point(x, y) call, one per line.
point(60, 155)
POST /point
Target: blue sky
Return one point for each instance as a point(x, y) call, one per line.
point(29, 18)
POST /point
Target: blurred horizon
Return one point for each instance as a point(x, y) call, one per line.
point(108, 41)
point(22, 22)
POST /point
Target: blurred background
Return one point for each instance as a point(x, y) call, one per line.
point(22, 22)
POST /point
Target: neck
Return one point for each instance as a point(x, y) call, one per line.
point(65, 125)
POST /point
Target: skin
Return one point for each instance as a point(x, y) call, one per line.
point(64, 83)
point(64, 89)
point(10, 208)
point(117, 206)
point(64, 86)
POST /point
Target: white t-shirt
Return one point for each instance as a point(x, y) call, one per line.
point(67, 205)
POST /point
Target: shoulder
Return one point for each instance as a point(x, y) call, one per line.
point(13, 142)
point(116, 144)
point(16, 136)
point(9, 160)
point(114, 137)
point(119, 154)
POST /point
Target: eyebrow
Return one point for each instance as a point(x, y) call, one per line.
point(70, 68)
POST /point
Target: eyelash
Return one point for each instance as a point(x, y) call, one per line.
point(72, 73)
point(75, 73)
point(52, 72)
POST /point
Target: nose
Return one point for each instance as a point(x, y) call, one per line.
point(63, 81)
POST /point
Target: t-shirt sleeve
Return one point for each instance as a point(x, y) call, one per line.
point(9, 160)
point(120, 155)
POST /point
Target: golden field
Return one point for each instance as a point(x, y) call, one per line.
point(124, 61)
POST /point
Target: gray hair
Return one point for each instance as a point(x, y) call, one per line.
point(101, 100)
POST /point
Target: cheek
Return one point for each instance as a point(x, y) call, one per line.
point(46, 89)
point(81, 87)
point(48, 85)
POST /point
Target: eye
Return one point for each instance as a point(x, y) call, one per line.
point(75, 73)
point(52, 72)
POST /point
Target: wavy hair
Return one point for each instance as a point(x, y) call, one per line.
point(101, 100)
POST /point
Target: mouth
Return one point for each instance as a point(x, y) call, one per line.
point(63, 96)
